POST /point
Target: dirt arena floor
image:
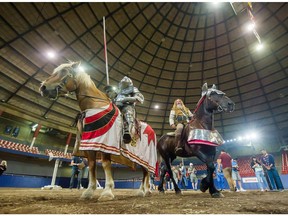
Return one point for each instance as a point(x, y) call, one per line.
point(65, 201)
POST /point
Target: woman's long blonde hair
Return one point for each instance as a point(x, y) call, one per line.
point(4, 163)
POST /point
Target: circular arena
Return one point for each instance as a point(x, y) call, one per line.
point(65, 68)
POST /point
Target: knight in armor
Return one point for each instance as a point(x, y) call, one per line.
point(180, 115)
point(126, 99)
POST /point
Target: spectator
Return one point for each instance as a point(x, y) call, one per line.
point(183, 181)
point(175, 175)
point(75, 162)
point(193, 177)
point(163, 170)
point(168, 181)
point(236, 175)
point(82, 167)
point(3, 167)
point(261, 180)
point(225, 159)
point(219, 176)
point(152, 180)
point(269, 164)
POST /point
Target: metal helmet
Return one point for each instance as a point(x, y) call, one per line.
point(125, 83)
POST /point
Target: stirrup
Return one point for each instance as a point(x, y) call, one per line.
point(133, 142)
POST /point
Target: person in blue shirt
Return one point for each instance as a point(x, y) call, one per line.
point(183, 180)
point(75, 163)
point(268, 163)
point(236, 176)
point(219, 176)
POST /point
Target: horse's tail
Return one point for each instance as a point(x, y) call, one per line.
point(159, 157)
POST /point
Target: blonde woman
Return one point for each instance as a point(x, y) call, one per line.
point(179, 116)
point(3, 167)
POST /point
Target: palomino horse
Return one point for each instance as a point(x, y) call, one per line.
point(99, 129)
point(200, 138)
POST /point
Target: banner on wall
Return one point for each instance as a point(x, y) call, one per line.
point(249, 180)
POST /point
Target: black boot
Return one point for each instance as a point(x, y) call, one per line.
point(179, 146)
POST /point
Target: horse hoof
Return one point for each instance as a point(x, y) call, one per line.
point(148, 193)
point(178, 192)
point(86, 195)
point(85, 198)
point(217, 195)
point(105, 198)
point(140, 193)
point(203, 188)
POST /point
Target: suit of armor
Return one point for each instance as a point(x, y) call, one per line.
point(127, 97)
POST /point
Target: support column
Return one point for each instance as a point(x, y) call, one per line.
point(55, 172)
point(35, 135)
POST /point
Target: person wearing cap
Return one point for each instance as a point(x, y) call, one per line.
point(193, 177)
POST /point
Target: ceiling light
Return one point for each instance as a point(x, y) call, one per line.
point(250, 26)
point(260, 46)
point(51, 54)
point(156, 106)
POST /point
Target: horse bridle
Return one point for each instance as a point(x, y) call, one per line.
point(64, 81)
point(219, 107)
point(208, 95)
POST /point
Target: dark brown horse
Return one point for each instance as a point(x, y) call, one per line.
point(203, 138)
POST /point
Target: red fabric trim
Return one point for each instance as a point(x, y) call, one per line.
point(98, 115)
point(99, 145)
point(199, 103)
point(103, 130)
point(201, 142)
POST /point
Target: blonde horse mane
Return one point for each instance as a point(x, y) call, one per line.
point(80, 74)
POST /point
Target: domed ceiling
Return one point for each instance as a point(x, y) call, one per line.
point(168, 49)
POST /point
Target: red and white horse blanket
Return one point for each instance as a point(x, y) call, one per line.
point(102, 131)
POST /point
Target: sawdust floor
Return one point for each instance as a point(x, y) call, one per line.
point(65, 201)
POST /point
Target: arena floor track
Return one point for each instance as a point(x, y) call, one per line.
point(65, 201)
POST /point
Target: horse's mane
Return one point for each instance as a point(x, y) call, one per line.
point(80, 75)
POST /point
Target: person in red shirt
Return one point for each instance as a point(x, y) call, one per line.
point(225, 159)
